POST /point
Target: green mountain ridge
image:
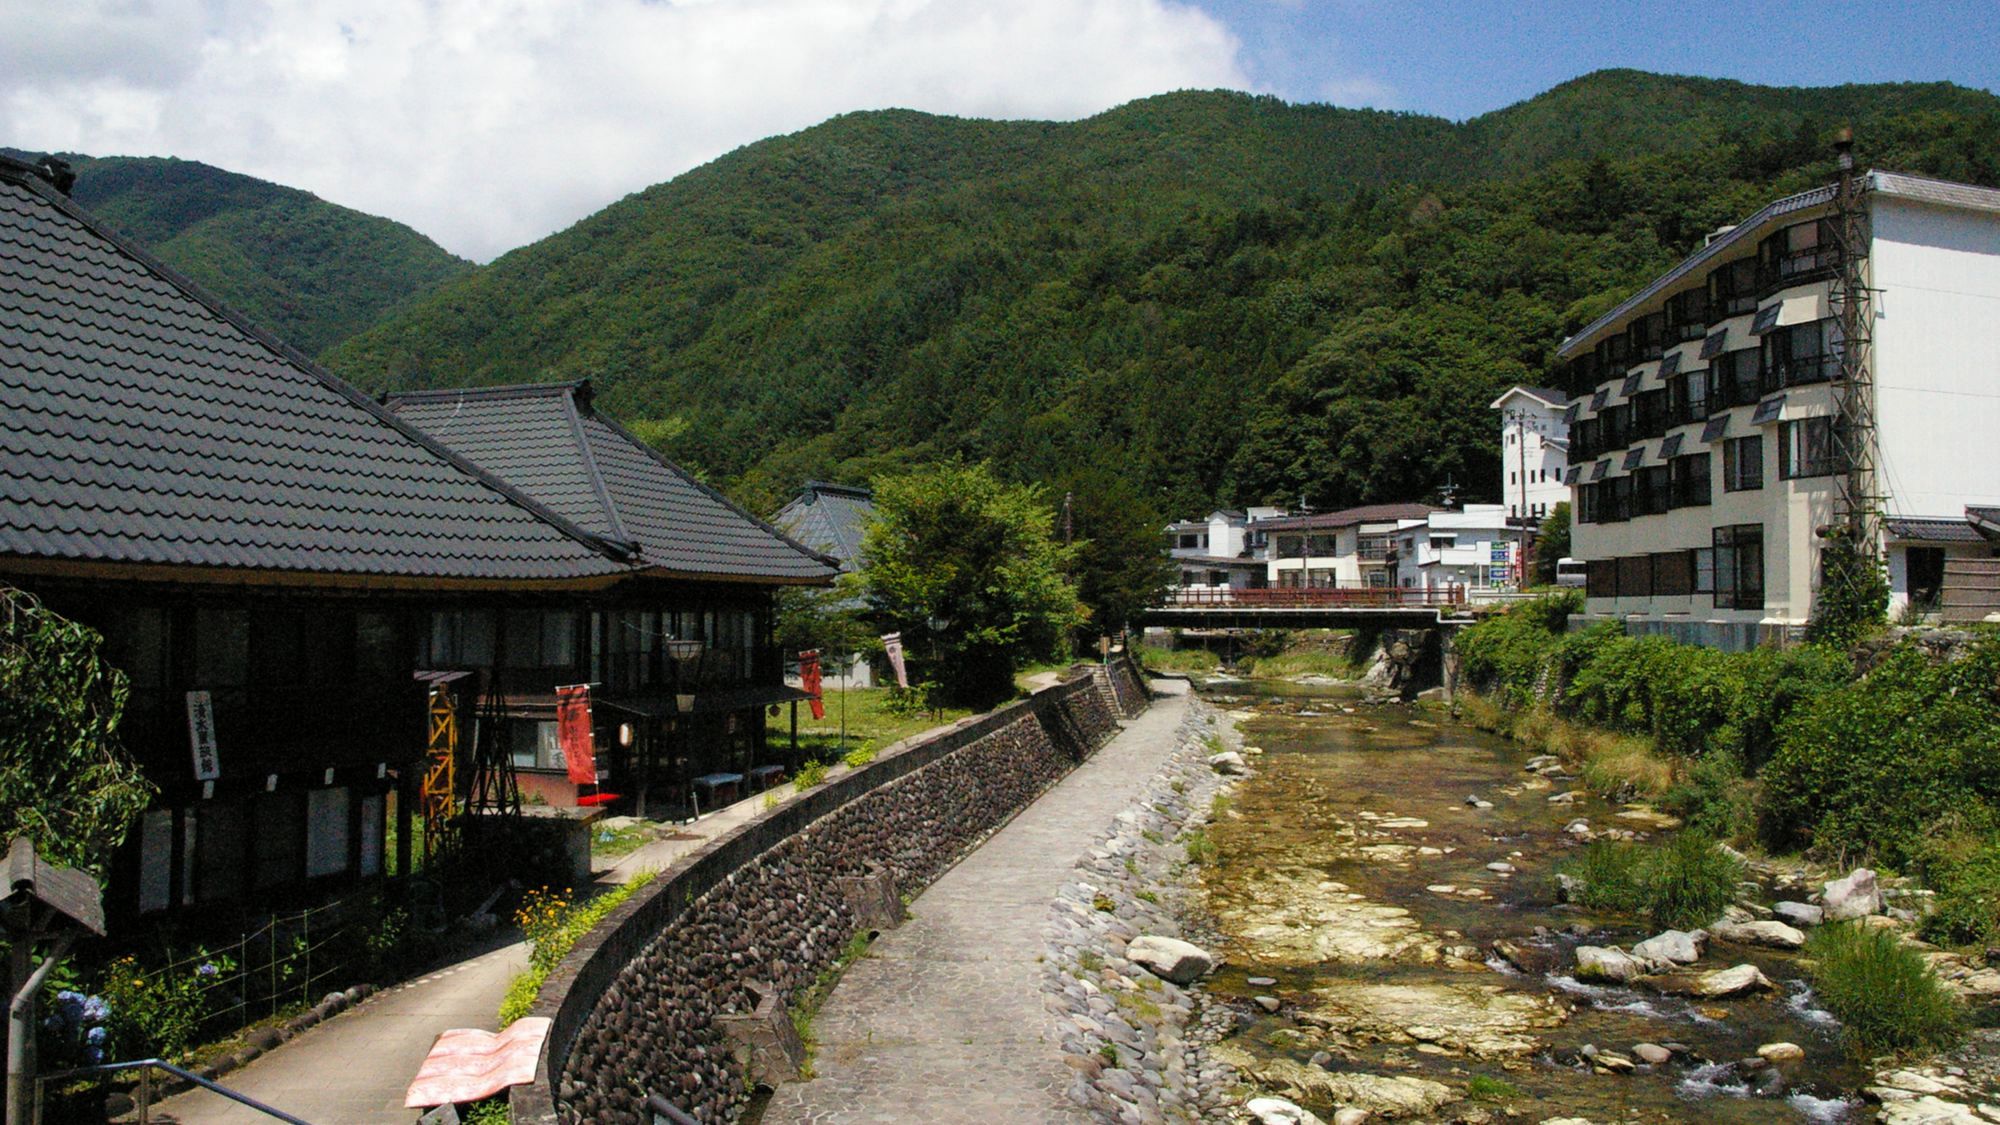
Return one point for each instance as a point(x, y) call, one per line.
point(1219, 297)
point(312, 272)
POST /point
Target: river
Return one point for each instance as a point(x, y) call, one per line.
point(1353, 887)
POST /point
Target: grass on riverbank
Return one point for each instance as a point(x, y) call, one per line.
point(1885, 994)
point(1620, 767)
point(868, 719)
point(1301, 662)
point(1182, 661)
point(1684, 883)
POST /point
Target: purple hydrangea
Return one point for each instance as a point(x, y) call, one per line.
point(208, 969)
point(95, 1010)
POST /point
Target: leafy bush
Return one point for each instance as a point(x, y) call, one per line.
point(1712, 796)
point(553, 921)
point(1962, 864)
point(1871, 766)
point(919, 699)
point(1685, 883)
point(859, 756)
point(810, 774)
point(1507, 654)
point(1884, 992)
point(1774, 683)
point(161, 1011)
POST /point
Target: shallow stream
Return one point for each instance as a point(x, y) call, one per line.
point(1353, 874)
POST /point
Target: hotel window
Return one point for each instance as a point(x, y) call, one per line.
point(1690, 397)
point(1732, 289)
point(1739, 567)
point(1805, 448)
point(1320, 546)
point(1690, 480)
point(1797, 253)
point(1733, 378)
point(1673, 574)
point(1800, 353)
point(1743, 464)
point(1655, 494)
point(1687, 315)
point(1635, 576)
point(460, 638)
point(1601, 578)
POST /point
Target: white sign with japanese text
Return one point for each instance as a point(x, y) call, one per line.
point(201, 736)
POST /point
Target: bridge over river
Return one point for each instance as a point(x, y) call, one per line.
point(1314, 607)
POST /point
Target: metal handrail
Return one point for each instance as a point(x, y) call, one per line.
point(665, 1111)
point(145, 1068)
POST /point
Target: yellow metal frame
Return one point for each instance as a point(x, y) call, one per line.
point(440, 795)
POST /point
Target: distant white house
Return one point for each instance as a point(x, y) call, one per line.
point(1478, 547)
point(1534, 450)
point(1337, 550)
point(1224, 551)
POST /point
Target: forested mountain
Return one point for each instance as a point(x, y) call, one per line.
point(1213, 296)
point(310, 271)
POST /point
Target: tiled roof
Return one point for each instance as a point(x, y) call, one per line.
point(1347, 517)
point(548, 441)
point(1549, 395)
point(830, 518)
point(1923, 189)
point(142, 422)
point(1932, 530)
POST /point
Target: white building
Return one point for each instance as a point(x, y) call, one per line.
point(1478, 547)
point(1345, 549)
point(1224, 551)
point(1534, 450)
point(1702, 449)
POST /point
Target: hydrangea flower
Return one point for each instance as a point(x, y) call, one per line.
point(208, 969)
point(95, 1010)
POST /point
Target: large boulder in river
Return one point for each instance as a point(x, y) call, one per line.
point(1775, 935)
point(1798, 913)
point(1671, 947)
point(1716, 984)
point(1228, 763)
point(1278, 1111)
point(1596, 962)
point(1856, 896)
point(1169, 958)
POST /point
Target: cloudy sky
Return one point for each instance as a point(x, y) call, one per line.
point(489, 123)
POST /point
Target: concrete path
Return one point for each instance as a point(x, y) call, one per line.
point(353, 1069)
point(943, 1022)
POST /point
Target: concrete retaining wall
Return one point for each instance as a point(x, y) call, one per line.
point(636, 1003)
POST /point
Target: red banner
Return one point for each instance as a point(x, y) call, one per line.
point(809, 680)
point(573, 733)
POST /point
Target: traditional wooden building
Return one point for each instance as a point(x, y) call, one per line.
point(274, 558)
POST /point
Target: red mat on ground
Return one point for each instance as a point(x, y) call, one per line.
point(466, 1065)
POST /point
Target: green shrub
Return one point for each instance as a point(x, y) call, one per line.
point(1483, 1088)
point(919, 699)
point(1772, 684)
point(859, 756)
point(1685, 883)
point(1690, 881)
point(1871, 766)
point(810, 774)
point(1712, 796)
point(552, 922)
point(1883, 992)
point(1963, 866)
point(1200, 849)
point(1505, 655)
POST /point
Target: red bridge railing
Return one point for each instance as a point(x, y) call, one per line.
point(1318, 597)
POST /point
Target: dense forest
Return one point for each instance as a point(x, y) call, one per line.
point(1213, 297)
point(312, 272)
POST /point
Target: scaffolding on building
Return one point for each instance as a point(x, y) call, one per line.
point(1858, 499)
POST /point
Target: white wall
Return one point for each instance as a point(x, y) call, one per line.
point(1937, 356)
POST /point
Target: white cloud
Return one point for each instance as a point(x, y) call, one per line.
point(489, 123)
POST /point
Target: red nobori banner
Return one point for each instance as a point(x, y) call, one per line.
point(573, 733)
point(809, 680)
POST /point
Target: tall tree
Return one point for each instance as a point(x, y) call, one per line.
point(970, 570)
point(1120, 567)
point(65, 781)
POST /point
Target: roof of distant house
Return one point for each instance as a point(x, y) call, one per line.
point(1547, 395)
point(1932, 530)
point(548, 440)
point(1348, 517)
point(143, 422)
point(830, 518)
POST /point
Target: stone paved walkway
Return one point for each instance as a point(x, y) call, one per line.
point(943, 1022)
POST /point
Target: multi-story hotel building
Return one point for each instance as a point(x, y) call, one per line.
point(1534, 451)
point(1705, 464)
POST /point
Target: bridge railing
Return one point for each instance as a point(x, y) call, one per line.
point(1318, 597)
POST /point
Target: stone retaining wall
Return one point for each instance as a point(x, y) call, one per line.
point(635, 1005)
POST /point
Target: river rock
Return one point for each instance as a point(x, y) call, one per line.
point(1268, 1003)
point(1529, 959)
point(1611, 1062)
point(1278, 1111)
point(1350, 1116)
point(1781, 1052)
point(1382, 1095)
point(1228, 762)
point(1540, 762)
point(1676, 947)
point(1169, 958)
point(1568, 887)
point(1775, 935)
point(1716, 984)
point(1651, 1053)
point(1928, 1110)
point(1799, 913)
point(1596, 962)
point(1856, 896)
